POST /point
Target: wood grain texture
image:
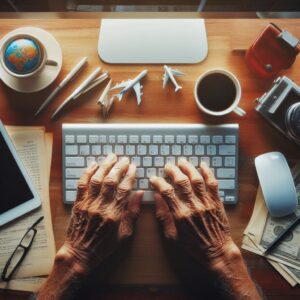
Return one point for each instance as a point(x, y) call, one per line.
point(146, 262)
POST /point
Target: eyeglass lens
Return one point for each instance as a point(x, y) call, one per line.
point(27, 239)
point(15, 260)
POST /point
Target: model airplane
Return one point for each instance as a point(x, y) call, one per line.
point(131, 83)
point(169, 74)
point(105, 101)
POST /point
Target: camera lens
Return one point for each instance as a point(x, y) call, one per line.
point(293, 120)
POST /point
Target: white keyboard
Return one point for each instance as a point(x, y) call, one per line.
point(150, 147)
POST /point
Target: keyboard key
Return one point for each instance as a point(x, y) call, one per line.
point(130, 150)
point(147, 161)
point(217, 139)
point(229, 161)
point(112, 139)
point(226, 184)
point(71, 150)
point(81, 139)
point(74, 161)
point(171, 160)
point(145, 139)
point(150, 172)
point(143, 184)
point(230, 139)
point(194, 160)
point(70, 139)
point(157, 139)
point(96, 149)
point(71, 196)
point(193, 139)
point(102, 139)
point(153, 150)
point(205, 159)
point(101, 159)
point(211, 150)
point(176, 150)
point(141, 150)
point(225, 173)
point(71, 184)
point(74, 172)
point(217, 161)
point(122, 139)
point(181, 139)
point(221, 193)
point(136, 160)
point(159, 161)
point(199, 150)
point(140, 173)
point(107, 149)
point(84, 150)
point(164, 149)
point(93, 139)
point(89, 160)
point(187, 150)
point(226, 150)
point(229, 199)
point(119, 149)
point(205, 139)
point(133, 139)
point(169, 139)
point(161, 172)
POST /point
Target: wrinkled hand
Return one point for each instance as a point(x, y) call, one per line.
point(191, 212)
point(103, 214)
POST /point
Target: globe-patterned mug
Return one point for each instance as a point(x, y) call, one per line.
point(23, 56)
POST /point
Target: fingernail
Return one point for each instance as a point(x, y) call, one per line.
point(152, 178)
point(93, 164)
point(124, 159)
point(111, 156)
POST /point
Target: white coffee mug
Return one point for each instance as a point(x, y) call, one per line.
point(43, 59)
point(233, 107)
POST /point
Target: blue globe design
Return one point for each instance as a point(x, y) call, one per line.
point(22, 56)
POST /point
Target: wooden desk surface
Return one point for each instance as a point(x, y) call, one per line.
point(146, 262)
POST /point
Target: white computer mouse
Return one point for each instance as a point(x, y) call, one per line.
point(277, 183)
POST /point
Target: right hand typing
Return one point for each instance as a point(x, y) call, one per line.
point(192, 213)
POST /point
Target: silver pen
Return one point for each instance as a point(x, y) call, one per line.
point(77, 91)
point(70, 76)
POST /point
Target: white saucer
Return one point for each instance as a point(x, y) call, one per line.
point(47, 75)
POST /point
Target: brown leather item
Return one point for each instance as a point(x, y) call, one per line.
point(273, 50)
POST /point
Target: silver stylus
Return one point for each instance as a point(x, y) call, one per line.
point(63, 83)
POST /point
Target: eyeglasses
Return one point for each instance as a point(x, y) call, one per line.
point(20, 252)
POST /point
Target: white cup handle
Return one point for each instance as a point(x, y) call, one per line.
point(239, 111)
point(50, 62)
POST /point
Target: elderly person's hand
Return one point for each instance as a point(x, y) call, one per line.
point(193, 218)
point(103, 216)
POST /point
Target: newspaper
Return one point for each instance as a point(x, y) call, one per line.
point(32, 144)
point(263, 229)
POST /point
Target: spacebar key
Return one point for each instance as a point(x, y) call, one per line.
point(226, 184)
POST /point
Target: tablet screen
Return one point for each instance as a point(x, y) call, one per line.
point(13, 187)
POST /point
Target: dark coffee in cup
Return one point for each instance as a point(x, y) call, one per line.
point(216, 92)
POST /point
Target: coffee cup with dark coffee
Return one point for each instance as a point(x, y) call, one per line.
point(218, 92)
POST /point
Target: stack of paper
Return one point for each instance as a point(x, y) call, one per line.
point(34, 147)
point(263, 229)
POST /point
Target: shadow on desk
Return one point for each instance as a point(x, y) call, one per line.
point(195, 281)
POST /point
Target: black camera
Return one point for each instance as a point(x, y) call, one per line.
point(281, 107)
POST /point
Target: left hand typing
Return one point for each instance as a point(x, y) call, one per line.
point(103, 216)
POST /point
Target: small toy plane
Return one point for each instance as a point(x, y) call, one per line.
point(169, 74)
point(131, 83)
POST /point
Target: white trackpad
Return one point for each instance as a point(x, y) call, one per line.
point(160, 41)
